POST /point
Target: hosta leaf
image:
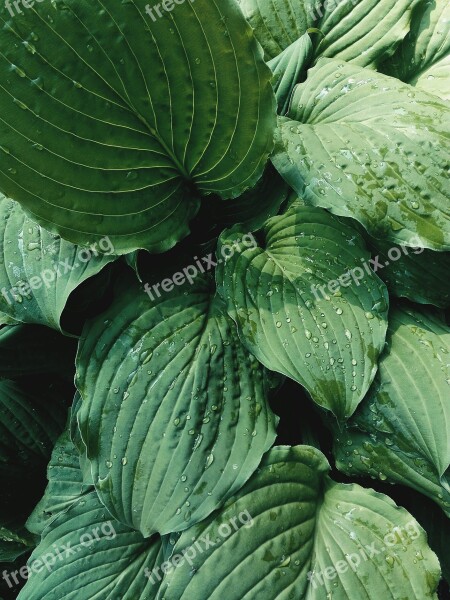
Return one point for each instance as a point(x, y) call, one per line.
point(119, 120)
point(292, 532)
point(32, 349)
point(39, 270)
point(400, 431)
point(370, 147)
point(14, 542)
point(414, 273)
point(327, 341)
point(363, 31)
point(174, 414)
point(89, 555)
point(436, 79)
point(426, 44)
point(65, 485)
point(278, 23)
point(288, 67)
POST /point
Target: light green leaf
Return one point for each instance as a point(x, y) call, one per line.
point(414, 273)
point(278, 23)
point(39, 270)
point(292, 532)
point(174, 414)
point(436, 80)
point(424, 48)
point(368, 146)
point(288, 67)
point(89, 555)
point(400, 431)
point(118, 120)
point(327, 341)
point(364, 32)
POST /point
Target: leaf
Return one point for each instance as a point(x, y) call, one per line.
point(285, 534)
point(86, 554)
point(38, 270)
point(288, 67)
point(174, 413)
point(120, 120)
point(363, 32)
point(436, 79)
point(370, 147)
point(65, 485)
point(327, 341)
point(417, 274)
point(426, 44)
point(14, 542)
point(33, 350)
point(278, 23)
point(400, 431)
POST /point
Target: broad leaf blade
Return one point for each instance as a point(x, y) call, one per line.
point(120, 138)
point(39, 271)
point(174, 413)
point(86, 554)
point(327, 341)
point(289, 524)
point(400, 431)
point(370, 147)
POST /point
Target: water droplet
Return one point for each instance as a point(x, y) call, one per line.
point(124, 460)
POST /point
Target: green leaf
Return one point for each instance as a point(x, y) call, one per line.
point(288, 67)
point(364, 32)
point(292, 532)
point(14, 542)
point(120, 120)
point(86, 554)
point(400, 431)
point(174, 414)
point(328, 342)
point(33, 350)
point(436, 80)
point(278, 23)
point(38, 270)
point(425, 46)
point(65, 485)
point(417, 274)
point(368, 146)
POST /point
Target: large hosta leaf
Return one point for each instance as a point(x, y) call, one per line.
point(86, 554)
point(365, 145)
point(418, 274)
point(174, 413)
point(400, 431)
point(425, 49)
point(39, 270)
point(361, 31)
point(115, 120)
point(326, 340)
point(292, 532)
point(278, 23)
